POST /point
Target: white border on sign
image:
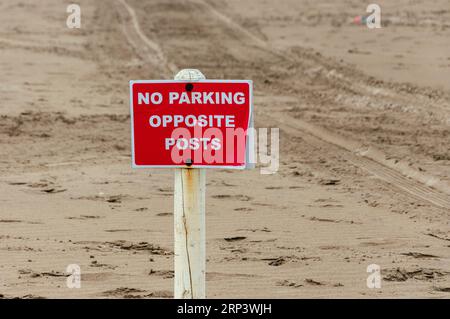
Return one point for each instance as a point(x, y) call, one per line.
point(240, 167)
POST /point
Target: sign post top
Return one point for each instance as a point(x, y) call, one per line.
point(189, 75)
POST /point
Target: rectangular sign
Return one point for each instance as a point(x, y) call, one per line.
point(195, 124)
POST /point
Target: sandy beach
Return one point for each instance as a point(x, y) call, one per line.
point(364, 176)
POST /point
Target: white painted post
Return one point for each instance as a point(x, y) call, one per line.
point(189, 223)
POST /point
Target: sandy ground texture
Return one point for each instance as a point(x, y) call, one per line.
point(364, 118)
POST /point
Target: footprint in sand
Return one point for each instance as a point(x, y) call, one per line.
point(166, 274)
point(131, 293)
point(424, 274)
point(84, 217)
point(243, 198)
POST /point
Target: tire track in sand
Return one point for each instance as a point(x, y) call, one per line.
point(373, 160)
point(405, 178)
point(360, 159)
point(150, 51)
point(266, 46)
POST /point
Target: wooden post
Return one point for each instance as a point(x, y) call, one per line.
point(189, 223)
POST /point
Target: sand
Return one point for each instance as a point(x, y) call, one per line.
point(364, 172)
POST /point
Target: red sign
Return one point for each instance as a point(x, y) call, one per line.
point(190, 124)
